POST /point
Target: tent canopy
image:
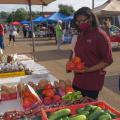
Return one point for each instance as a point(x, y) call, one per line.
point(15, 23)
point(57, 16)
point(40, 19)
point(24, 22)
point(33, 2)
point(111, 7)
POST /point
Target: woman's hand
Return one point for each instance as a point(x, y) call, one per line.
point(96, 67)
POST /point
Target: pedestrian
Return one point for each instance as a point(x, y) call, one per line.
point(59, 33)
point(12, 34)
point(24, 31)
point(1, 38)
point(93, 48)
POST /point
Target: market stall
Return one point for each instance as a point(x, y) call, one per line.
point(41, 96)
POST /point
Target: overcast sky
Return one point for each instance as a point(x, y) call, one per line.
point(54, 6)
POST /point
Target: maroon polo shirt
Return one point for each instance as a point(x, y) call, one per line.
point(92, 47)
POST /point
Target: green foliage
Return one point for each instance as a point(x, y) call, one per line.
point(20, 14)
point(65, 9)
point(4, 14)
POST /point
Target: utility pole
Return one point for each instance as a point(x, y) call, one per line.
point(93, 4)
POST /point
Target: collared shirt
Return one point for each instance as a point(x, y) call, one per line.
point(92, 47)
point(59, 31)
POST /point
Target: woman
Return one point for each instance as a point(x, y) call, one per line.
point(93, 48)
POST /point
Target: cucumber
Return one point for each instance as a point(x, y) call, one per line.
point(86, 113)
point(79, 117)
point(65, 118)
point(104, 117)
point(94, 115)
point(80, 110)
point(112, 115)
point(59, 114)
point(88, 107)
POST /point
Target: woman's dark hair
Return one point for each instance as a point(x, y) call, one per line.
point(85, 11)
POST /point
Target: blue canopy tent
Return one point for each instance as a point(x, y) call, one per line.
point(25, 22)
point(56, 16)
point(39, 19)
point(68, 19)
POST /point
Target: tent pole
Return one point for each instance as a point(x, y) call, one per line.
point(33, 41)
point(93, 5)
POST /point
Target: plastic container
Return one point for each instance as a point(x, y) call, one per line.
point(73, 108)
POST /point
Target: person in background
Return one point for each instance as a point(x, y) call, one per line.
point(59, 33)
point(94, 49)
point(12, 34)
point(24, 31)
point(105, 27)
point(1, 38)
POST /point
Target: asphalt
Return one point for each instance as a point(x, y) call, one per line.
point(54, 60)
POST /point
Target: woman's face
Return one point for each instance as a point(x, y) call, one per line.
point(81, 19)
point(83, 22)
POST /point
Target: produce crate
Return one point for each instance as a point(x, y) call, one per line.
point(73, 108)
point(12, 74)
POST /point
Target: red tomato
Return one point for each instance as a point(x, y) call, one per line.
point(69, 89)
point(70, 66)
point(48, 86)
point(44, 92)
point(56, 98)
point(49, 93)
point(76, 60)
point(26, 102)
point(47, 100)
point(80, 66)
point(26, 93)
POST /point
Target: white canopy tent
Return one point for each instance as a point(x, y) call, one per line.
point(29, 2)
point(111, 7)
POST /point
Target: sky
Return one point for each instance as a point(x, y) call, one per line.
point(54, 6)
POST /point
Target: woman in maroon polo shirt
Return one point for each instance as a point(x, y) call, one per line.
point(94, 49)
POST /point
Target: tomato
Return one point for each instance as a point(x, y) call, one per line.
point(48, 86)
point(80, 66)
point(70, 66)
point(47, 100)
point(26, 93)
point(69, 89)
point(26, 102)
point(44, 92)
point(56, 98)
point(49, 93)
point(76, 60)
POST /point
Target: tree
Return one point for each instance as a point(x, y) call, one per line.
point(4, 14)
point(20, 14)
point(65, 9)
